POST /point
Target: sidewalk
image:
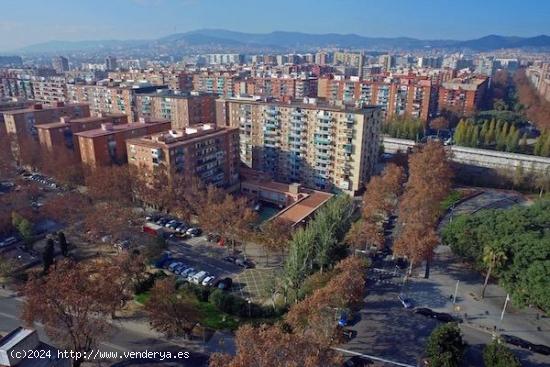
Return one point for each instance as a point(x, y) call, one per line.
point(436, 293)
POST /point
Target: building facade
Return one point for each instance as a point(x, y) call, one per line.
point(463, 96)
point(107, 145)
point(203, 151)
point(321, 146)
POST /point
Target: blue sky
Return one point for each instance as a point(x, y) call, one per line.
point(24, 22)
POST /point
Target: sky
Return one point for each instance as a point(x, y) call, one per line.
point(26, 22)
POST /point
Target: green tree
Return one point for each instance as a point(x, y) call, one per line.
point(498, 355)
point(445, 347)
point(493, 258)
point(24, 227)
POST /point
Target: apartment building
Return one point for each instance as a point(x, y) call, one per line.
point(220, 83)
point(183, 109)
point(23, 122)
point(205, 151)
point(59, 136)
point(15, 84)
point(319, 145)
point(107, 145)
point(463, 95)
point(10, 105)
point(282, 87)
point(50, 89)
point(349, 58)
point(107, 98)
point(60, 64)
point(539, 75)
point(410, 96)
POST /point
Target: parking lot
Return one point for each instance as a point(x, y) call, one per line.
point(203, 255)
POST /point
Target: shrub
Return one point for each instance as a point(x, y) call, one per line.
point(498, 355)
point(445, 347)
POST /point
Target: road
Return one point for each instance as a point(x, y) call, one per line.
point(385, 329)
point(125, 336)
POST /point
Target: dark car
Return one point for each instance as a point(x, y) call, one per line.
point(357, 361)
point(243, 263)
point(223, 284)
point(518, 342)
point(445, 317)
point(230, 259)
point(424, 311)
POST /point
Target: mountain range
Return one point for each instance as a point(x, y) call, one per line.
point(219, 40)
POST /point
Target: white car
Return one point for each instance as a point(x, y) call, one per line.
point(199, 277)
point(208, 280)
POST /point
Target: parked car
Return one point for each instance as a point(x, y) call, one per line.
point(445, 317)
point(230, 259)
point(162, 221)
point(343, 320)
point(406, 302)
point(194, 231)
point(199, 277)
point(182, 228)
point(518, 342)
point(180, 269)
point(209, 280)
point(243, 263)
point(188, 271)
point(8, 242)
point(224, 284)
point(424, 312)
point(174, 265)
point(170, 223)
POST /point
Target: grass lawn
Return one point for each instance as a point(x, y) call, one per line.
point(142, 297)
point(214, 319)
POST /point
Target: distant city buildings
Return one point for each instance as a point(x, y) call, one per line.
point(60, 64)
point(110, 63)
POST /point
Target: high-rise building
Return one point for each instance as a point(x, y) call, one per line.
point(60, 64)
point(110, 63)
point(204, 151)
point(51, 89)
point(319, 145)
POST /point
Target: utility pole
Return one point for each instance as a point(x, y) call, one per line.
point(456, 291)
point(504, 308)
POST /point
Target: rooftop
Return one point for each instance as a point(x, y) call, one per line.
point(180, 137)
point(108, 129)
point(67, 121)
point(307, 103)
point(41, 107)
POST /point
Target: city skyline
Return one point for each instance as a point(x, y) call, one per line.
point(26, 23)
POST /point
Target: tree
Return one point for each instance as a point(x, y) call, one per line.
point(63, 245)
point(439, 123)
point(498, 355)
point(428, 185)
point(493, 258)
point(24, 227)
point(48, 255)
point(170, 312)
point(70, 305)
point(274, 235)
point(445, 347)
point(268, 346)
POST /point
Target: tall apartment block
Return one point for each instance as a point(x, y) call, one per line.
point(60, 64)
point(319, 145)
point(50, 89)
point(183, 109)
point(59, 136)
point(110, 63)
point(203, 151)
point(397, 96)
point(463, 96)
point(281, 87)
point(109, 98)
point(220, 83)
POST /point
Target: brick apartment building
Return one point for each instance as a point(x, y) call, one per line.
point(183, 109)
point(59, 136)
point(107, 145)
point(220, 83)
point(397, 96)
point(205, 151)
point(282, 87)
point(319, 145)
point(463, 96)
